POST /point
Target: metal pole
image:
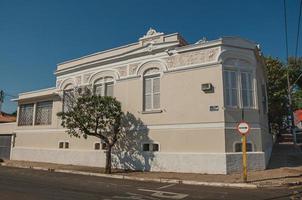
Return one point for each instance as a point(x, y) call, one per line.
point(1, 99)
point(244, 158)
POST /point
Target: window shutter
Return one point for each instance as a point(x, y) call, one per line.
point(109, 89)
point(98, 89)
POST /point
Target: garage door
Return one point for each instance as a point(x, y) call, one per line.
point(5, 146)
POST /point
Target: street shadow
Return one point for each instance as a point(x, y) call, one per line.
point(128, 152)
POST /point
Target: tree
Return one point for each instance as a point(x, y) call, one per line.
point(295, 71)
point(277, 94)
point(96, 116)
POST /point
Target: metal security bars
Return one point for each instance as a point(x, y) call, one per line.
point(26, 112)
point(43, 113)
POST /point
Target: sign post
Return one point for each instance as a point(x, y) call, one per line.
point(243, 128)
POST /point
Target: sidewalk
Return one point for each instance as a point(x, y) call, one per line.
point(286, 176)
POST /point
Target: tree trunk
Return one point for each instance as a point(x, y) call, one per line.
point(108, 160)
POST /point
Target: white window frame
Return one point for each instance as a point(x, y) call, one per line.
point(103, 83)
point(152, 93)
point(238, 71)
point(230, 89)
point(251, 104)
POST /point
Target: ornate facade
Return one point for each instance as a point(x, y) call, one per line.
point(184, 101)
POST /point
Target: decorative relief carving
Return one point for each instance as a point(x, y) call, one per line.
point(58, 83)
point(152, 64)
point(132, 68)
point(78, 80)
point(122, 70)
point(86, 77)
point(189, 58)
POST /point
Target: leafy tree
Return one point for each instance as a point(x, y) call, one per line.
point(297, 99)
point(277, 94)
point(295, 70)
point(95, 116)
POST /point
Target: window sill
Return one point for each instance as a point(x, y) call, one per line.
point(152, 111)
point(240, 109)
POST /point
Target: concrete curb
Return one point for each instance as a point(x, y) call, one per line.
point(159, 180)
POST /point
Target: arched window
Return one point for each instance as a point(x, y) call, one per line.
point(104, 86)
point(68, 97)
point(151, 89)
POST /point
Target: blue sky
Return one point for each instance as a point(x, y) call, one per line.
point(35, 35)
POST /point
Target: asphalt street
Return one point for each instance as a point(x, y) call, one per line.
point(28, 184)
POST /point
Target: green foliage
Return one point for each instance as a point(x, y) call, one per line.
point(277, 93)
point(95, 116)
point(278, 90)
point(297, 99)
point(295, 69)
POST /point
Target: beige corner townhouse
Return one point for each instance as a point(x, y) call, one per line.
point(187, 98)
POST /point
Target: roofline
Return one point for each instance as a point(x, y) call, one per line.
point(97, 53)
point(37, 91)
point(112, 49)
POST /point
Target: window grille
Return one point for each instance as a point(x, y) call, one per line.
point(68, 100)
point(26, 115)
point(44, 113)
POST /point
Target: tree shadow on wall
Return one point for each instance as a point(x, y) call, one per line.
point(128, 152)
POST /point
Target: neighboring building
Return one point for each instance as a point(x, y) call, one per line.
point(7, 118)
point(7, 126)
point(297, 137)
point(189, 98)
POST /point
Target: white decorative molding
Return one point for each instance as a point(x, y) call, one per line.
point(66, 82)
point(239, 55)
point(103, 73)
point(123, 71)
point(151, 33)
point(156, 63)
point(192, 57)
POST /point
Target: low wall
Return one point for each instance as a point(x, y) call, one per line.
point(210, 163)
point(164, 162)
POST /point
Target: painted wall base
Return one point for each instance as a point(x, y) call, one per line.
point(255, 161)
point(210, 163)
